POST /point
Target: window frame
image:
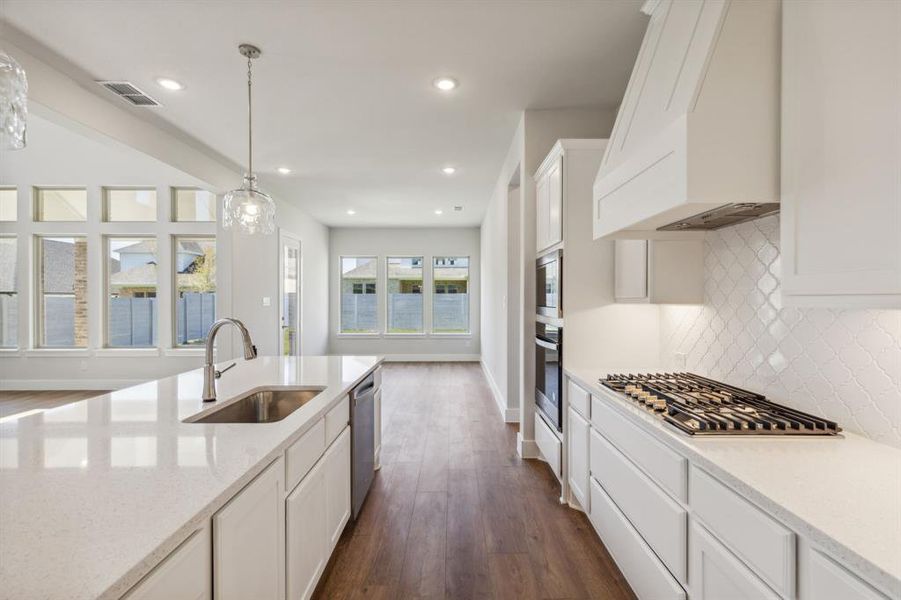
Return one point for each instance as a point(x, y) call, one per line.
point(426, 326)
point(15, 190)
point(173, 296)
point(433, 293)
point(173, 205)
point(37, 286)
point(15, 292)
point(377, 332)
point(104, 203)
point(37, 204)
point(105, 295)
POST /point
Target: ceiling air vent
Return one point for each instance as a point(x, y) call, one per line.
point(128, 92)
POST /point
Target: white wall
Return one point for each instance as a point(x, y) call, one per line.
point(500, 283)
point(255, 273)
point(426, 242)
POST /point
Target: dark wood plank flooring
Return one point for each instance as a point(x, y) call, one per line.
point(14, 402)
point(454, 513)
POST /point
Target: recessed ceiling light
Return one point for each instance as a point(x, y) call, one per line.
point(449, 170)
point(351, 211)
point(445, 84)
point(169, 84)
point(284, 170)
point(439, 212)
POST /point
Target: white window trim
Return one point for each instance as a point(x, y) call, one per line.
point(27, 230)
point(378, 299)
point(425, 319)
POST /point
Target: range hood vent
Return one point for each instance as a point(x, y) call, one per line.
point(724, 216)
point(129, 92)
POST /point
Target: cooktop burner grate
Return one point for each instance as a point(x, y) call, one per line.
point(701, 406)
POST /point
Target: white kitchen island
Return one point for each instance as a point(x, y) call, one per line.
point(94, 495)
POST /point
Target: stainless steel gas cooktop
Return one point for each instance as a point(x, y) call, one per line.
point(701, 406)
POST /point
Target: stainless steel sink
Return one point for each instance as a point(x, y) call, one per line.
point(264, 406)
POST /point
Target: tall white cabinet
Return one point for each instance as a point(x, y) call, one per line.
point(549, 203)
point(841, 153)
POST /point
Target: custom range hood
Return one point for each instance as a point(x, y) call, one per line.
point(695, 145)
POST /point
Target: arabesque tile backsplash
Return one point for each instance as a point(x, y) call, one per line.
point(844, 365)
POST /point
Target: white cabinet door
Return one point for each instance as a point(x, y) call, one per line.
point(307, 533)
point(715, 574)
point(542, 214)
point(555, 204)
point(630, 270)
point(249, 542)
point(841, 147)
point(336, 463)
point(186, 574)
point(578, 459)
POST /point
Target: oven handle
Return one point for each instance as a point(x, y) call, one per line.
point(546, 344)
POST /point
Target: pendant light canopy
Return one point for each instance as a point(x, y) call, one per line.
point(248, 209)
point(13, 106)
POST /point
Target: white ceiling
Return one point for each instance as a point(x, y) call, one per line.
point(343, 92)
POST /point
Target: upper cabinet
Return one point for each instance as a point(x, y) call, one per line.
point(698, 128)
point(549, 203)
point(841, 154)
point(564, 178)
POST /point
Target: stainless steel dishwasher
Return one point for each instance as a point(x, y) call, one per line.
point(362, 423)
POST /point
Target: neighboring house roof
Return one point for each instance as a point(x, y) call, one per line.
point(146, 276)
point(58, 267)
point(368, 271)
point(149, 247)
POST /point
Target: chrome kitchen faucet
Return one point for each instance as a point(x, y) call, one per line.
point(210, 374)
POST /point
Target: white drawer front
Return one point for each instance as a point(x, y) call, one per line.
point(548, 444)
point(764, 544)
point(579, 399)
point(666, 467)
point(660, 520)
point(717, 575)
point(303, 454)
point(828, 580)
point(645, 573)
point(336, 420)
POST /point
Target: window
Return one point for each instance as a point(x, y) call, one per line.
point(191, 204)
point(60, 204)
point(9, 308)
point(195, 288)
point(62, 292)
point(129, 204)
point(8, 208)
point(405, 295)
point(131, 279)
point(359, 309)
point(450, 303)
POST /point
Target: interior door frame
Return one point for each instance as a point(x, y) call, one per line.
point(292, 239)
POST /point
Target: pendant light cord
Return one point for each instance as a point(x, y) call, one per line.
point(249, 119)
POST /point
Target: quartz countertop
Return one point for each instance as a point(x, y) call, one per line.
point(95, 493)
point(842, 493)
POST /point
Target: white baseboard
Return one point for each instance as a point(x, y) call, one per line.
point(527, 448)
point(431, 357)
point(67, 384)
point(507, 414)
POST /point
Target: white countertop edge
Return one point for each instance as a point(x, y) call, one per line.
point(674, 439)
point(131, 577)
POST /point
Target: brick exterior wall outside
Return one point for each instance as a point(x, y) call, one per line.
point(80, 284)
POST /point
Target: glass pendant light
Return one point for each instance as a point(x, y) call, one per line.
point(13, 107)
point(247, 208)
